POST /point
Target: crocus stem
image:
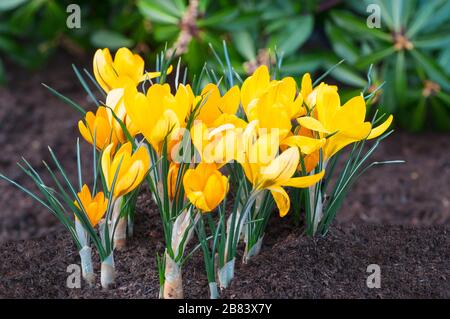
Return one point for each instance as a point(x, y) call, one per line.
point(318, 212)
point(108, 272)
point(130, 226)
point(120, 234)
point(317, 201)
point(173, 283)
point(87, 269)
point(213, 291)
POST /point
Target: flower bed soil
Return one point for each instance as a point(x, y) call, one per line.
point(377, 224)
point(413, 261)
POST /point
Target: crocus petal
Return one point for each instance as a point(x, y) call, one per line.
point(304, 181)
point(215, 189)
point(254, 86)
point(102, 68)
point(106, 164)
point(84, 131)
point(306, 88)
point(128, 64)
point(350, 114)
point(380, 129)
point(306, 144)
point(281, 168)
point(230, 101)
point(209, 110)
point(281, 199)
point(198, 200)
point(327, 105)
point(126, 182)
point(312, 124)
point(338, 141)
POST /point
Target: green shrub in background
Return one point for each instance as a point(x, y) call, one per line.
point(31, 30)
point(411, 52)
point(253, 27)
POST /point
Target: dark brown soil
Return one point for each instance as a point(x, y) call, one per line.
point(414, 264)
point(386, 205)
point(30, 120)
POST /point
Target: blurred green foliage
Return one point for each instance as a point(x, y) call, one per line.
point(253, 27)
point(410, 51)
point(31, 30)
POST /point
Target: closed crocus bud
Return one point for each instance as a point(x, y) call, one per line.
point(132, 170)
point(126, 69)
point(94, 207)
point(205, 186)
point(97, 124)
point(174, 168)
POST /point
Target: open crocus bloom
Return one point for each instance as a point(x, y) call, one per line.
point(272, 103)
point(205, 186)
point(132, 170)
point(95, 208)
point(100, 125)
point(346, 124)
point(215, 145)
point(275, 172)
point(214, 105)
point(159, 114)
point(126, 69)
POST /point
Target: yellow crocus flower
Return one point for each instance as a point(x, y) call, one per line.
point(215, 145)
point(254, 86)
point(100, 125)
point(115, 103)
point(309, 93)
point(94, 207)
point(133, 168)
point(346, 122)
point(275, 172)
point(226, 118)
point(126, 69)
point(273, 103)
point(205, 186)
point(158, 114)
point(215, 105)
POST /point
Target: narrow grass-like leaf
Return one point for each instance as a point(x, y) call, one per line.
point(66, 100)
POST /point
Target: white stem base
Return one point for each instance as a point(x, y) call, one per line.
point(87, 270)
point(173, 283)
point(226, 274)
point(108, 272)
point(213, 291)
point(120, 234)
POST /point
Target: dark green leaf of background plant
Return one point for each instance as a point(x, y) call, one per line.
point(6, 5)
point(110, 39)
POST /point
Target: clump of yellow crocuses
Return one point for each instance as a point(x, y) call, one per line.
point(270, 143)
